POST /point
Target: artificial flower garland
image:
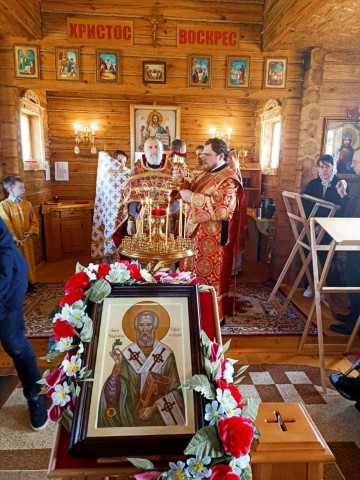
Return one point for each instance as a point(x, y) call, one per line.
point(221, 449)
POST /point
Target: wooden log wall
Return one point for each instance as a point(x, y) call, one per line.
point(108, 105)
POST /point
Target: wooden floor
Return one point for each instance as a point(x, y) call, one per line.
point(247, 350)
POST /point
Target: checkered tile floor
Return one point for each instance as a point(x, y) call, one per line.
point(285, 383)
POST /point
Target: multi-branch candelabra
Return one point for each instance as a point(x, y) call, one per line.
point(155, 240)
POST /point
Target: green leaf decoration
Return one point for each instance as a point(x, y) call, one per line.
point(141, 463)
point(257, 434)
point(51, 356)
point(77, 391)
point(54, 311)
point(84, 374)
point(205, 340)
point(100, 290)
point(216, 369)
point(246, 474)
point(66, 419)
point(251, 409)
point(241, 370)
point(238, 380)
point(205, 442)
point(207, 365)
point(79, 268)
point(87, 330)
point(201, 384)
point(226, 346)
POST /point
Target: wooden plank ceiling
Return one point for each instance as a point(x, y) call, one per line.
point(288, 24)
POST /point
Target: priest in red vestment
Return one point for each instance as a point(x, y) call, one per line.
point(152, 178)
point(215, 220)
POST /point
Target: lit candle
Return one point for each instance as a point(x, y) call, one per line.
point(92, 126)
point(142, 216)
point(76, 127)
point(213, 131)
point(186, 213)
point(150, 218)
point(229, 132)
point(180, 218)
point(167, 224)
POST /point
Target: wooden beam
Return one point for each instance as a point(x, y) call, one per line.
point(282, 17)
point(23, 19)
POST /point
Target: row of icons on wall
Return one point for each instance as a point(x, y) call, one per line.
point(67, 67)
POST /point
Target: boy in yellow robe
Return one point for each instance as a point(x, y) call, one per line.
point(19, 216)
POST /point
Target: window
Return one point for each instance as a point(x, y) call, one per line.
point(32, 132)
point(270, 136)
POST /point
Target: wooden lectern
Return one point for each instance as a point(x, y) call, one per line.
point(290, 445)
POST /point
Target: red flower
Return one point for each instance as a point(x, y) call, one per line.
point(78, 280)
point(233, 390)
point(72, 297)
point(147, 475)
point(223, 472)
point(54, 413)
point(236, 433)
point(63, 329)
point(103, 270)
point(134, 271)
point(215, 351)
point(55, 376)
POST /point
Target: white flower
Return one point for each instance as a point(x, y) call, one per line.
point(63, 344)
point(147, 276)
point(77, 315)
point(213, 412)
point(65, 312)
point(238, 464)
point(118, 275)
point(60, 395)
point(118, 266)
point(72, 367)
point(224, 397)
point(91, 270)
point(229, 371)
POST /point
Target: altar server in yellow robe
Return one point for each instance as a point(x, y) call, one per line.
point(20, 218)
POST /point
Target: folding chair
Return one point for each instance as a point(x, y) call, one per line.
point(300, 227)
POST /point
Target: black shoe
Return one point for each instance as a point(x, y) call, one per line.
point(345, 318)
point(31, 287)
point(343, 329)
point(38, 413)
point(348, 387)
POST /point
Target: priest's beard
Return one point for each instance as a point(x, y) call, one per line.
point(154, 159)
point(145, 339)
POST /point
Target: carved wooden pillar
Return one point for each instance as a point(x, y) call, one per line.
point(310, 120)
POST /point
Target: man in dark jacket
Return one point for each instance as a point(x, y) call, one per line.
point(13, 286)
point(351, 209)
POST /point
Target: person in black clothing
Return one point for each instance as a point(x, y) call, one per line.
point(324, 187)
point(13, 285)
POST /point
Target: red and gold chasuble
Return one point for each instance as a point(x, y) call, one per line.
point(145, 182)
point(216, 197)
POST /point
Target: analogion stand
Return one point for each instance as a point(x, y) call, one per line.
point(290, 445)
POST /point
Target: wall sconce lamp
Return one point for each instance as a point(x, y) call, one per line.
point(220, 134)
point(86, 134)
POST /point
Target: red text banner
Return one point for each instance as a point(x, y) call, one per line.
point(222, 38)
point(100, 31)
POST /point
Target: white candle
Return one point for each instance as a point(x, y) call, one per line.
point(186, 213)
point(167, 225)
point(180, 218)
point(150, 217)
point(142, 216)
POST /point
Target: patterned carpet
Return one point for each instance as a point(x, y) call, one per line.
point(24, 454)
point(37, 307)
point(256, 315)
